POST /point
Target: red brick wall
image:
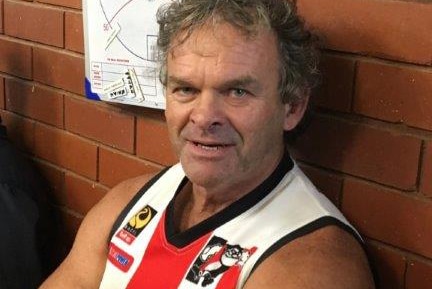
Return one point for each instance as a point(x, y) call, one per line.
point(369, 145)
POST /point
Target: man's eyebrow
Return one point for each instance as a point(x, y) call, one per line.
point(242, 82)
point(178, 81)
point(246, 82)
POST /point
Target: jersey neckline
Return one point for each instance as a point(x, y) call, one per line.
point(184, 238)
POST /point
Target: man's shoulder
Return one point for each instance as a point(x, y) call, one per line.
point(84, 266)
point(326, 258)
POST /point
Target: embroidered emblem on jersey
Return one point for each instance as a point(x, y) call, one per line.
point(136, 224)
point(215, 259)
point(119, 258)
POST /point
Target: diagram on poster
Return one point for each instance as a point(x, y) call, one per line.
point(121, 52)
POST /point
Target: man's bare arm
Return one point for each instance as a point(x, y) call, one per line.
point(84, 266)
point(329, 258)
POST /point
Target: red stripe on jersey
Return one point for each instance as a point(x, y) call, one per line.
point(164, 266)
point(229, 278)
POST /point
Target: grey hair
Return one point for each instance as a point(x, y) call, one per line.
point(297, 47)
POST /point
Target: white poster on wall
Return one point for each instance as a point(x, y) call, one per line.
point(121, 53)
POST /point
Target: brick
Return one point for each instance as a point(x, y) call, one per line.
point(153, 142)
point(389, 266)
point(81, 194)
point(59, 69)
point(115, 167)
point(69, 227)
point(426, 180)
point(389, 216)
point(1, 16)
point(419, 275)
point(72, 224)
point(327, 183)
point(394, 93)
point(15, 58)
point(20, 131)
point(66, 150)
point(337, 83)
point(2, 93)
point(74, 39)
point(34, 101)
point(360, 150)
point(392, 29)
point(64, 3)
point(34, 22)
point(101, 123)
point(55, 179)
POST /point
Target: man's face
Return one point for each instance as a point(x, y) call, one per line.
point(224, 113)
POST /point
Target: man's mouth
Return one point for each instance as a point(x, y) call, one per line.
point(210, 147)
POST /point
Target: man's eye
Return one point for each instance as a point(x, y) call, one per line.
point(238, 92)
point(185, 90)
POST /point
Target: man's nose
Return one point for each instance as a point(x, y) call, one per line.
point(208, 112)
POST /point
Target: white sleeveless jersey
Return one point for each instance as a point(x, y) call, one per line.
point(221, 252)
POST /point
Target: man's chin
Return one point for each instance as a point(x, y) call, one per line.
point(205, 175)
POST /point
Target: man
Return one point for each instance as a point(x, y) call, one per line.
point(236, 212)
point(25, 219)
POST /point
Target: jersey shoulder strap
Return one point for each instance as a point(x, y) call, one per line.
point(133, 201)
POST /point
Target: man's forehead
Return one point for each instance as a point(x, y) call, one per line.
point(224, 55)
point(207, 39)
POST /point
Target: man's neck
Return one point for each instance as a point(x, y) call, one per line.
point(195, 203)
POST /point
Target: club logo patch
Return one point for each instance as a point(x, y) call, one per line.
point(119, 258)
point(216, 258)
point(136, 224)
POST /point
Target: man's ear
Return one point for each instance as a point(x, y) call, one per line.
point(294, 112)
